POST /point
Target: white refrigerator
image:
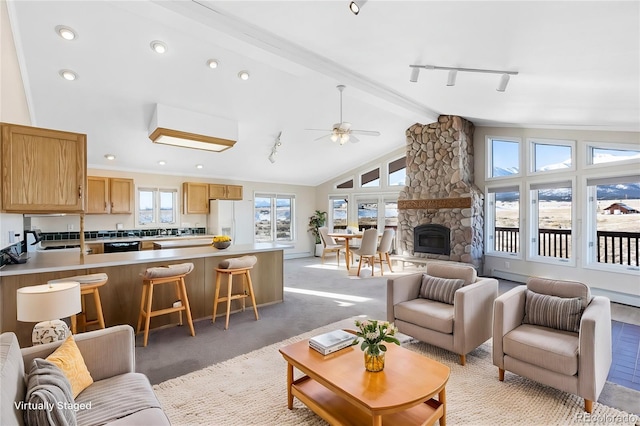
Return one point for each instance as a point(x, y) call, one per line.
point(233, 218)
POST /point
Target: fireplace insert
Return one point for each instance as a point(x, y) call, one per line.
point(431, 238)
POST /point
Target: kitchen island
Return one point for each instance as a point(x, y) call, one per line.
point(122, 294)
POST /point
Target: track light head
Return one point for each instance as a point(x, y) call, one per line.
point(356, 6)
point(272, 158)
point(451, 79)
point(415, 72)
point(504, 80)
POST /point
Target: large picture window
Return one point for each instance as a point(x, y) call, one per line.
point(551, 220)
point(273, 217)
point(339, 213)
point(503, 220)
point(597, 154)
point(614, 221)
point(551, 156)
point(367, 214)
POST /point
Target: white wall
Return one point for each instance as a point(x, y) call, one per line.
point(623, 287)
point(13, 106)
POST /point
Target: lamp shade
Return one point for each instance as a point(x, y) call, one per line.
point(48, 301)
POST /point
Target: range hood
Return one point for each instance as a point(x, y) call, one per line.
point(188, 129)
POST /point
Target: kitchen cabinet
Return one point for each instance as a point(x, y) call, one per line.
point(225, 192)
point(109, 195)
point(94, 248)
point(195, 198)
point(43, 170)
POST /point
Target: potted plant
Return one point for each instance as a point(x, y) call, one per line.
point(317, 220)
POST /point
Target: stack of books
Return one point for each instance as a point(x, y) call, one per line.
point(332, 341)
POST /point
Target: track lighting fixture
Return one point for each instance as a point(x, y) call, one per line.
point(453, 72)
point(274, 150)
point(355, 6)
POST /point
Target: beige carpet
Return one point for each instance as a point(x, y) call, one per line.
point(251, 390)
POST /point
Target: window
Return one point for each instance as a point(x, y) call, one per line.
point(391, 214)
point(551, 220)
point(157, 206)
point(503, 158)
point(551, 156)
point(345, 185)
point(272, 217)
point(370, 179)
point(397, 172)
point(367, 214)
point(339, 213)
point(503, 220)
point(601, 155)
point(614, 222)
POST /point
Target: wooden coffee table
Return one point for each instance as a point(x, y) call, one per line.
point(339, 389)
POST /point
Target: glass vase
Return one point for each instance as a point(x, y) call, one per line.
point(373, 362)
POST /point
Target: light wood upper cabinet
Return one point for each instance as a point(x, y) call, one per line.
point(109, 195)
point(225, 192)
point(43, 170)
point(97, 195)
point(121, 195)
point(195, 198)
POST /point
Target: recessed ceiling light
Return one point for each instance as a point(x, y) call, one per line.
point(68, 75)
point(66, 32)
point(162, 162)
point(199, 166)
point(110, 156)
point(159, 46)
point(212, 63)
point(243, 75)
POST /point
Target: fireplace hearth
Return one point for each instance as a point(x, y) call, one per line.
point(432, 238)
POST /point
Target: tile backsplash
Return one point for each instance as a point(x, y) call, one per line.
point(125, 233)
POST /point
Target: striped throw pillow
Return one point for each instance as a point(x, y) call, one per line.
point(440, 289)
point(561, 313)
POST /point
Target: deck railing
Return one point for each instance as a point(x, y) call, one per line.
point(613, 247)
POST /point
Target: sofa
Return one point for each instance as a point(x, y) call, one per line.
point(556, 333)
point(118, 395)
point(448, 306)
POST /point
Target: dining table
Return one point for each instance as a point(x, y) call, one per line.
point(346, 237)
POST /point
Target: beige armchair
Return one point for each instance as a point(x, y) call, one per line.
point(556, 333)
point(459, 326)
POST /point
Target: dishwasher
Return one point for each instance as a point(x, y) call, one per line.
point(121, 247)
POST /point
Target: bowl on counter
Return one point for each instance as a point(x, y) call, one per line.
point(222, 245)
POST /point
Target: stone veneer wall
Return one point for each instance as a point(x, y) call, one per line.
point(440, 189)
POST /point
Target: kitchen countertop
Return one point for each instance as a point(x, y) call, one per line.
point(46, 243)
point(50, 261)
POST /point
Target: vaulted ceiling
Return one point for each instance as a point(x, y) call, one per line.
point(578, 67)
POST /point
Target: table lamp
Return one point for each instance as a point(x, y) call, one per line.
point(46, 304)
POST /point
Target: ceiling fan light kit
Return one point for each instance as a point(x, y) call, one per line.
point(342, 132)
point(453, 72)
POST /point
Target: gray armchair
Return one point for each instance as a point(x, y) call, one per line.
point(460, 326)
point(557, 341)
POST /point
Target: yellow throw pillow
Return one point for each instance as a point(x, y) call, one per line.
point(69, 359)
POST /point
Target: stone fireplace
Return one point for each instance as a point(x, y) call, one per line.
point(440, 191)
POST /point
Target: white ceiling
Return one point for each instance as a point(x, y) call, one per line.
point(578, 64)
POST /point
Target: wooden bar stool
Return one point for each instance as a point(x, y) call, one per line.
point(89, 285)
point(164, 275)
point(230, 267)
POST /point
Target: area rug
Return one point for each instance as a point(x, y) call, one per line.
point(251, 390)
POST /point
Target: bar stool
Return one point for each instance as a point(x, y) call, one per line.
point(89, 285)
point(164, 275)
point(230, 267)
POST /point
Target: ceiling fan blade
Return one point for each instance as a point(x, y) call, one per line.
point(323, 137)
point(320, 130)
point(366, 132)
point(353, 139)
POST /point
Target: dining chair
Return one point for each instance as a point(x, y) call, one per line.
point(384, 247)
point(368, 248)
point(330, 245)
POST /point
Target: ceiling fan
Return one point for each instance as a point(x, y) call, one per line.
point(342, 131)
